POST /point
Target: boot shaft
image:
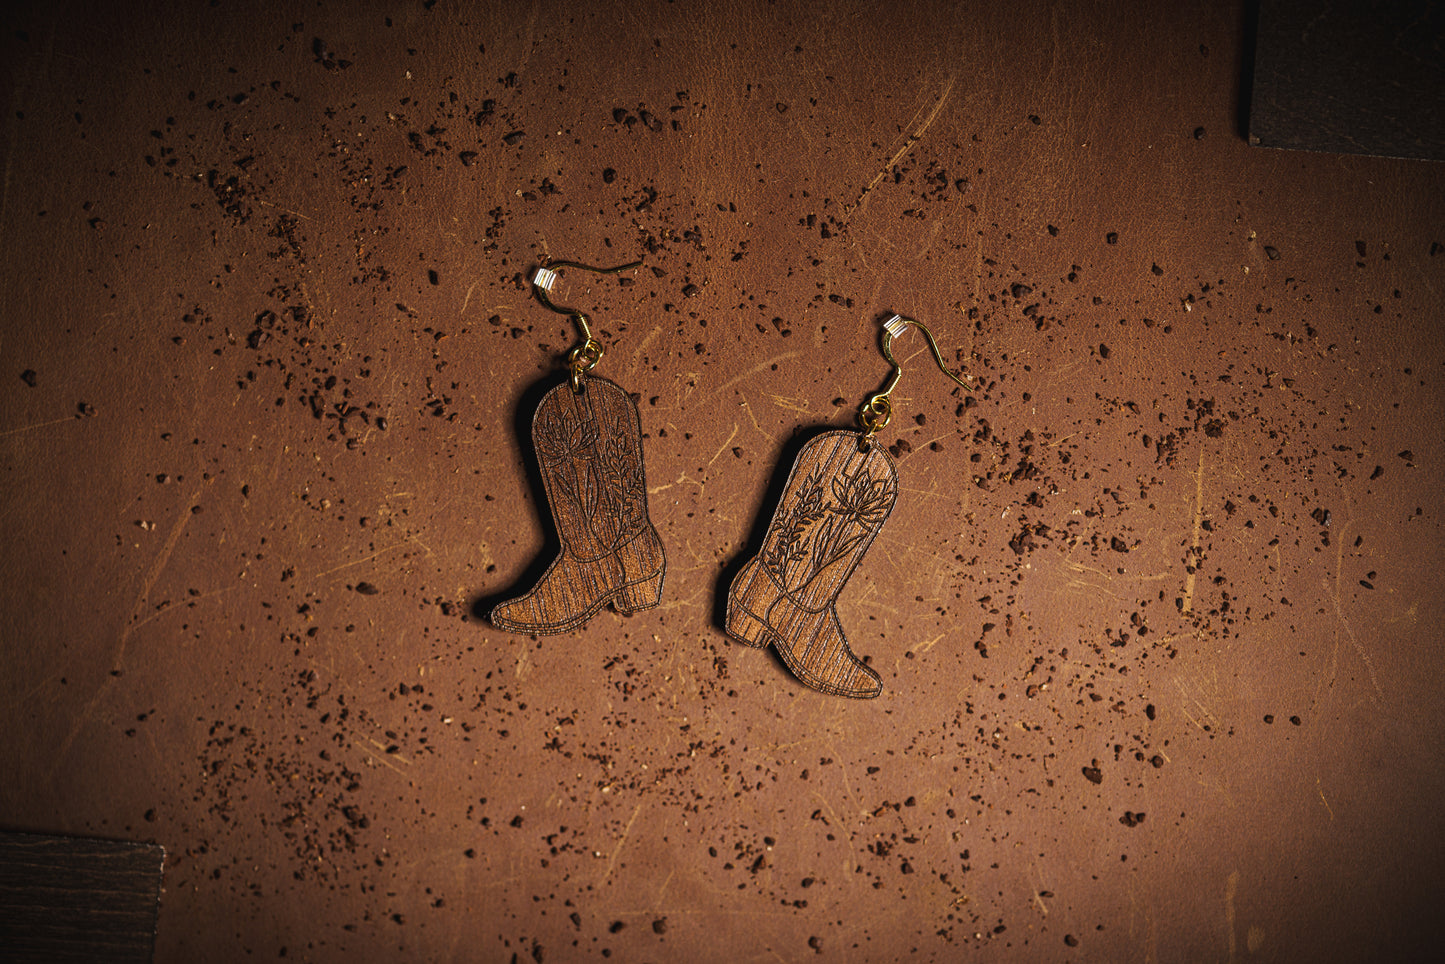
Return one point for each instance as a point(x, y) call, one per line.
point(834, 503)
point(589, 448)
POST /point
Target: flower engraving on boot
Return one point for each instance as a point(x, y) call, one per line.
point(835, 502)
point(589, 448)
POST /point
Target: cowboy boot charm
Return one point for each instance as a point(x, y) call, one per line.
point(838, 495)
point(588, 440)
point(835, 502)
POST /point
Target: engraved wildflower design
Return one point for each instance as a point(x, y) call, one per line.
point(817, 532)
point(621, 467)
point(862, 499)
point(557, 441)
point(596, 470)
point(803, 512)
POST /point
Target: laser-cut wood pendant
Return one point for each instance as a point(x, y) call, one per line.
point(589, 448)
point(837, 497)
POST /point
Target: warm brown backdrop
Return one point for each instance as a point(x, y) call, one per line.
point(1158, 618)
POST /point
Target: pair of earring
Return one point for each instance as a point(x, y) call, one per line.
point(841, 489)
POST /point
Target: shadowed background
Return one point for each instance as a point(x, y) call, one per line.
point(1157, 612)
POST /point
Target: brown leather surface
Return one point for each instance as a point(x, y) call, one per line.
point(1157, 617)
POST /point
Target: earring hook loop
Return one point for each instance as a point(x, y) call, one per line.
point(583, 358)
point(877, 411)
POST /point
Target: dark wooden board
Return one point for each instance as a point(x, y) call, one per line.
point(77, 899)
point(1352, 78)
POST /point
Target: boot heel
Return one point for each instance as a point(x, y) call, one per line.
point(747, 628)
point(639, 595)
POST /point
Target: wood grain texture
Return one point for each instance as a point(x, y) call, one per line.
point(834, 504)
point(589, 448)
point(77, 899)
point(195, 553)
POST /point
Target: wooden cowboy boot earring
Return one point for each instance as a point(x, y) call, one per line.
point(588, 440)
point(837, 497)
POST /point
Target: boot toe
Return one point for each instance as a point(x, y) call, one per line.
point(514, 615)
point(861, 683)
point(532, 614)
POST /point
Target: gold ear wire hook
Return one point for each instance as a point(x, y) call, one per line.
point(877, 412)
point(895, 326)
point(585, 356)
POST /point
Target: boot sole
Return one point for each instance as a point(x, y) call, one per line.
point(747, 628)
point(753, 630)
point(823, 686)
point(626, 600)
